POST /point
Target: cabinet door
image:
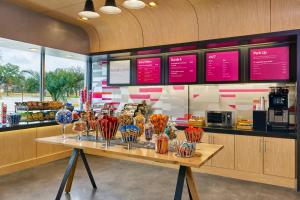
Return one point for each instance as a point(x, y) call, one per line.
point(17, 146)
point(280, 157)
point(207, 138)
point(225, 158)
point(249, 153)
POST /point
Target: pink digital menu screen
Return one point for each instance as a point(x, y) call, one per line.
point(149, 70)
point(183, 69)
point(222, 66)
point(269, 63)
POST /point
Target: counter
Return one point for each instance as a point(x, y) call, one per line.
point(291, 134)
point(25, 125)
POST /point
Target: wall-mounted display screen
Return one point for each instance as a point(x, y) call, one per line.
point(183, 69)
point(119, 72)
point(222, 66)
point(148, 70)
point(267, 64)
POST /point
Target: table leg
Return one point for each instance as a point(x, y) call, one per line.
point(70, 179)
point(87, 167)
point(180, 182)
point(194, 195)
point(186, 173)
point(67, 173)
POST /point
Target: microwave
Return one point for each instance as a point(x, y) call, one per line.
point(219, 119)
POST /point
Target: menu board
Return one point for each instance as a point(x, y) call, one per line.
point(183, 69)
point(269, 64)
point(149, 70)
point(119, 72)
point(222, 66)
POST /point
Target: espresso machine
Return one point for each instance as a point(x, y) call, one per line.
point(278, 112)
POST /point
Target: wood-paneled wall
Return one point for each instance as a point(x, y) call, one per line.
point(175, 21)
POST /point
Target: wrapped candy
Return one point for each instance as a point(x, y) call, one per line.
point(79, 127)
point(129, 133)
point(185, 149)
point(162, 144)
point(170, 131)
point(193, 134)
point(125, 119)
point(64, 117)
point(159, 122)
point(108, 127)
point(140, 123)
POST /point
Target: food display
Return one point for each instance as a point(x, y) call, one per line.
point(193, 134)
point(162, 144)
point(39, 105)
point(185, 149)
point(129, 133)
point(108, 127)
point(159, 122)
point(197, 121)
point(125, 119)
point(244, 124)
point(149, 131)
point(13, 118)
point(139, 121)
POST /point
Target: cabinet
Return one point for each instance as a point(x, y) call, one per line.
point(280, 157)
point(249, 153)
point(17, 146)
point(225, 158)
point(206, 138)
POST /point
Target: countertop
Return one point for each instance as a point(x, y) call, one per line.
point(291, 134)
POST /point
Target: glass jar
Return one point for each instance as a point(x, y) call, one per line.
point(162, 144)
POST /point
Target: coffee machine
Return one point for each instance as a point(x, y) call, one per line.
point(278, 112)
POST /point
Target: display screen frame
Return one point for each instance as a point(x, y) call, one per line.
point(130, 73)
point(292, 62)
point(135, 71)
point(167, 77)
point(240, 66)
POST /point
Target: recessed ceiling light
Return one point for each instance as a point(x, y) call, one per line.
point(33, 49)
point(152, 4)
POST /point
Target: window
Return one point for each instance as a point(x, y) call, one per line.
point(64, 76)
point(19, 72)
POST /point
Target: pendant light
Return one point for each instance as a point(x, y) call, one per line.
point(110, 7)
point(134, 4)
point(89, 10)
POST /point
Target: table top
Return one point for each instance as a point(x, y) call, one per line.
point(203, 151)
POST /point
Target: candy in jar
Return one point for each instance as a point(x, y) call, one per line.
point(185, 149)
point(149, 131)
point(64, 116)
point(193, 134)
point(108, 127)
point(125, 119)
point(159, 122)
point(140, 123)
point(162, 144)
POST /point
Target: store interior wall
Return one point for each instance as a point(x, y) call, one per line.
point(18, 23)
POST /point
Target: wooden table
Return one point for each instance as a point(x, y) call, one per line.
point(203, 153)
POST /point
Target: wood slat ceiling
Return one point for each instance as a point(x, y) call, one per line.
point(172, 21)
